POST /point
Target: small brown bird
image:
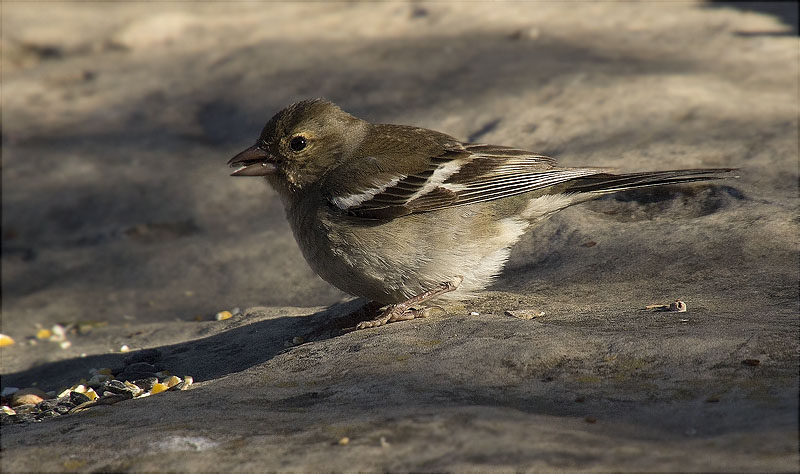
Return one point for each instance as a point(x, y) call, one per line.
point(401, 214)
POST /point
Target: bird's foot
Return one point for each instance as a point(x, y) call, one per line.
point(391, 315)
point(404, 311)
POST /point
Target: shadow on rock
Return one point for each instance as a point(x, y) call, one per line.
point(229, 351)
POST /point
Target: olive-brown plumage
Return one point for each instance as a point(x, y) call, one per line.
point(401, 214)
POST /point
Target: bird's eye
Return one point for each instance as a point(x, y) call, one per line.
point(298, 143)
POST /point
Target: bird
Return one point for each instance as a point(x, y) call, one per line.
point(402, 215)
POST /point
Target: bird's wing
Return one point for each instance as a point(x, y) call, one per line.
point(462, 173)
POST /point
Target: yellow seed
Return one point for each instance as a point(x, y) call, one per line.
point(223, 315)
point(5, 340)
point(44, 334)
point(158, 388)
point(171, 381)
point(91, 394)
point(344, 441)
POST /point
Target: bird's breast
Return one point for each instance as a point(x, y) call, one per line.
point(390, 261)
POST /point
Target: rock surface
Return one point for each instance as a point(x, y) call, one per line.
point(120, 223)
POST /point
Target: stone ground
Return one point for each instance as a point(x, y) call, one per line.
point(118, 119)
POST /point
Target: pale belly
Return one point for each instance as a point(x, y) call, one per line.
point(391, 261)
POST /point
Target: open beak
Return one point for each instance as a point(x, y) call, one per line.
point(254, 161)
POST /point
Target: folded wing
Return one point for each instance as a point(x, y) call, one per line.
point(468, 173)
point(462, 174)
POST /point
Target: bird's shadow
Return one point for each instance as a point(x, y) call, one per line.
point(253, 339)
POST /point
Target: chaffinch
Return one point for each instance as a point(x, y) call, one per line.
point(402, 214)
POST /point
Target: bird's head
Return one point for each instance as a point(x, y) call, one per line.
point(300, 144)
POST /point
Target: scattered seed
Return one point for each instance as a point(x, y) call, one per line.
point(343, 441)
point(660, 307)
point(171, 381)
point(28, 396)
point(524, 313)
point(135, 389)
point(109, 398)
point(223, 315)
point(59, 333)
point(146, 384)
point(78, 398)
point(677, 306)
point(83, 406)
point(182, 385)
point(44, 334)
point(5, 340)
point(27, 399)
point(33, 404)
point(24, 409)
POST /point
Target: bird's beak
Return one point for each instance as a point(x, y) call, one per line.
point(255, 161)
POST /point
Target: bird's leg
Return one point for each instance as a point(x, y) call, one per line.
point(403, 311)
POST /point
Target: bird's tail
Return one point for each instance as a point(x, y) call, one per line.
point(605, 183)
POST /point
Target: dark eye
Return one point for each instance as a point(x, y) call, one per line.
point(298, 143)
